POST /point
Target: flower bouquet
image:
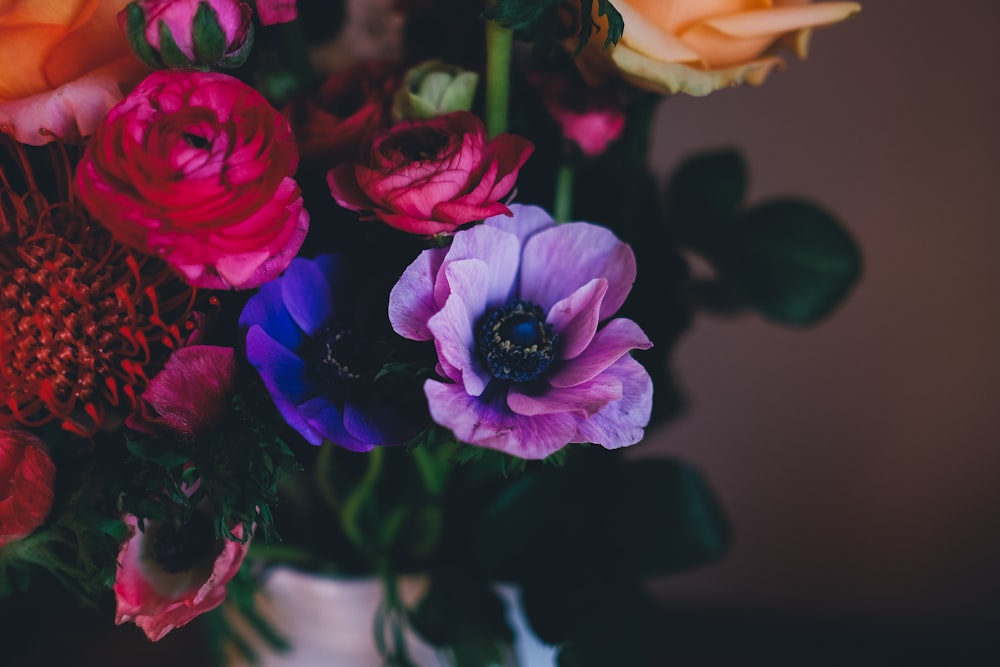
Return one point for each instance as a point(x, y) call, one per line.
point(374, 288)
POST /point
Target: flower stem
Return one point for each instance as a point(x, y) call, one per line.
point(562, 209)
point(499, 43)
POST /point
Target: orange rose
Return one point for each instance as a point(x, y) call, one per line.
point(65, 63)
point(697, 46)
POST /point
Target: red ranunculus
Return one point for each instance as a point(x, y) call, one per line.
point(590, 117)
point(431, 176)
point(168, 576)
point(26, 478)
point(197, 167)
point(350, 107)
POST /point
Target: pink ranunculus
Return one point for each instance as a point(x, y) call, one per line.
point(197, 168)
point(26, 478)
point(232, 18)
point(168, 576)
point(589, 117)
point(431, 176)
point(276, 11)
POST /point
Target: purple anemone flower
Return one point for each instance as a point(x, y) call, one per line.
point(515, 309)
point(314, 353)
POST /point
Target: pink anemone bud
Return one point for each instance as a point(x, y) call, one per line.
point(189, 33)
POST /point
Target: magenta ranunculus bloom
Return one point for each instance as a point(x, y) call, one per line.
point(197, 168)
point(519, 310)
point(169, 576)
point(432, 176)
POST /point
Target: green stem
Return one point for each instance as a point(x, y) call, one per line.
point(563, 207)
point(499, 44)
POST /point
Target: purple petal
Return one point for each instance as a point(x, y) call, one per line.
point(375, 423)
point(526, 221)
point(490, 423)
point(332, 268)
point(575, 318)
point(452, 325)
point(286, 378)
point(555, 262)
point(621, 423)
point(499, 250)
point(324, 418)
point(583, 400)
point(411, 301)
point(616, 338)
point(267, 309)
point(307, 295)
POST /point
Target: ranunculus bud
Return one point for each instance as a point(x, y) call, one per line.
point(197, 168)
point(589, 117)
point(434, 88)
point(27, 475)
point(189, 33)
point(432, 176)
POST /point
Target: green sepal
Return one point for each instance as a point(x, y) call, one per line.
point(171, 54)
point(208, 38)
point(240, 55)
point(538, 20)
point(135, 32)
point(616, 25)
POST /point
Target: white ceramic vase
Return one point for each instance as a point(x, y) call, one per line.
point(329, 623)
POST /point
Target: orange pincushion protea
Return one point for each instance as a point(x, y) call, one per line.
point(84, 321)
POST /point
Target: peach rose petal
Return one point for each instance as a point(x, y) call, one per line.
point(73, 110)
point(647, 38)
point(779, 20)
point(679, 14)
point(720, 50)
point(654, 76)
point(53, 12)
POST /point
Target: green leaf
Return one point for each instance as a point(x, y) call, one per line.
point(669, 520)
point(616, 25)
point(135, 31)
point(468, 620)
point(621, 638)
point(209, 40)
point(538, 20)
point(792, 261)
point(711, 185)
point(169, 51)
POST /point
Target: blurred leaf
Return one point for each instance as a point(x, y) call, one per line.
point(620, 638)
point(791, 260)
point(466, 619)
point(669, 520)
point(539, 20)
point(710, 185)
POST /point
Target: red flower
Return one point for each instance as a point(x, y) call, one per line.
point(167, 575)
point(431, 176)
point(350, 107)
point(197, 167)
point(26, 478)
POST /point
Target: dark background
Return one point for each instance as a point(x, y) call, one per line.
point(858, 460)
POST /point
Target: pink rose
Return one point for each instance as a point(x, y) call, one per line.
point(431, 176)
point(196, 167)
point(167, 575)
point(147, 22)
point(589, 117)
point(26, 478)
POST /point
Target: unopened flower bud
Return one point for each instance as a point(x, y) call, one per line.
point(434, 88)
point(189, 33)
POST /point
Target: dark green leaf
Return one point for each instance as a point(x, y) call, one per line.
point(616, 25)
point(712, 185)
point(792, 261)
point(468, 620)
point(669, 520)
point(539, 21)
point(209, 40)
point(622, 637)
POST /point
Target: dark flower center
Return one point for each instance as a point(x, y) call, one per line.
point(178, 548)
point(195, 140)
point(340, 357)
point(516, 342)
point(421, 144)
